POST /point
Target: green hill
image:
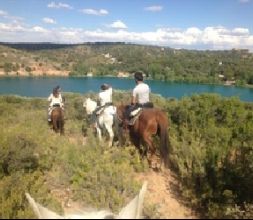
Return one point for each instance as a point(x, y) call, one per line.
point(112, 58)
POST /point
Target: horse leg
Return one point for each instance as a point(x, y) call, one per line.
point(99, 132)
point(151, 148)
point(55, 125)
point(108, 127)
point(137, 143)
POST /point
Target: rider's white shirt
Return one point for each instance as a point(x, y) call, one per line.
point(55, 101)
point(105, 96)
point(141, 92)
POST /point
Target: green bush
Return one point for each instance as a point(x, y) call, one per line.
point(34, 158)
point(13, 202)
point(212, 150)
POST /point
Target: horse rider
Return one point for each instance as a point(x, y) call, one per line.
point(55, 100)
point(104, 99)
point(140, 96)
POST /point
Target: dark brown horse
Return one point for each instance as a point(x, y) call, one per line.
point(152, 121)
point(57, 118)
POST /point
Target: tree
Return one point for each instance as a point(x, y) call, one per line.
point(28, 69)
point(7, 67)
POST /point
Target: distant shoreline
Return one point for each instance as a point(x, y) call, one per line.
point(110, 76)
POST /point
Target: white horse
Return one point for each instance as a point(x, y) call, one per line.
point(105, 119)
point(133, 210)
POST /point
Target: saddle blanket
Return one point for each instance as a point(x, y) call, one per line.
point(135, 115)
point(135, 112)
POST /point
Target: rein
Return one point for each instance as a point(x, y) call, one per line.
point(119, 119)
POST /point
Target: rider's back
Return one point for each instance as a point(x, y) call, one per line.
point(105, 96)
point(141, 91)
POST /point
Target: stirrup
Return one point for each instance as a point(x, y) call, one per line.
point(131, 121)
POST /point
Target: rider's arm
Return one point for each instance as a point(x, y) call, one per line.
point(133, 101)
point(50, 98)
point(61, 98)
point(134, 95)
point(110, 89)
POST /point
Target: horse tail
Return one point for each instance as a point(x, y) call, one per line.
point(58, 120)
point(61, 122)
point(55, 122)
point(164, 137)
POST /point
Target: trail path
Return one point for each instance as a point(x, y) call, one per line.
point(163, 191)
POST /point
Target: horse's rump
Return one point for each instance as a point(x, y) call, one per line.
point(57, 117)
point(101, 117)
point(151, 121)
point(154, 121)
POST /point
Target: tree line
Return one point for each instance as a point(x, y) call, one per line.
point(160, 63)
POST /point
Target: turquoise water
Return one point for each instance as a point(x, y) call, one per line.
point(41, 87)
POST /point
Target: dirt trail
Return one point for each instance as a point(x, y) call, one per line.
point(163, 192)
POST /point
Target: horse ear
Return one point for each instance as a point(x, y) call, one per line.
point(40, 211)
point(84, 103)
point(133, 210)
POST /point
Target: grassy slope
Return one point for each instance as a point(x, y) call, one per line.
point(36, 160)
point(211, 151)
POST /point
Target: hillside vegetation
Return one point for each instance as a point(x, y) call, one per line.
point(122, 59)
point(211, 152)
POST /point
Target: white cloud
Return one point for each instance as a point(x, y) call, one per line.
point(7, 16)
point(39, 29)
point(49, 21)
point(3, 13)
point(59, 5)
point(118, 25)
point(240, 31)
point(154, 8)
point(90, 11)
point(212, 38)
point(244, 1)
point(14, 28)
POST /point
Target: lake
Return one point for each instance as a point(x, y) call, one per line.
point(42, 87)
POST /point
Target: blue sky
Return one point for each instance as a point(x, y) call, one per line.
point(190, 24)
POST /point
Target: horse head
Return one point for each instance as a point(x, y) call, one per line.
point(133, 210)
point(89, 105)
point(122, 123)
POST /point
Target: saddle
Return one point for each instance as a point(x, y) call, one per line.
point(135, 114)
point(101, 109)
point(56, 105)
point(50, 110)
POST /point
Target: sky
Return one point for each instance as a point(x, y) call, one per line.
point(188, 24)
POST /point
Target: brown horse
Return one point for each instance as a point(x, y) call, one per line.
point(152, 121)
point(57, 118)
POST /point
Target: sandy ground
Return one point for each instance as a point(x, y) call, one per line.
point(163, 191)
